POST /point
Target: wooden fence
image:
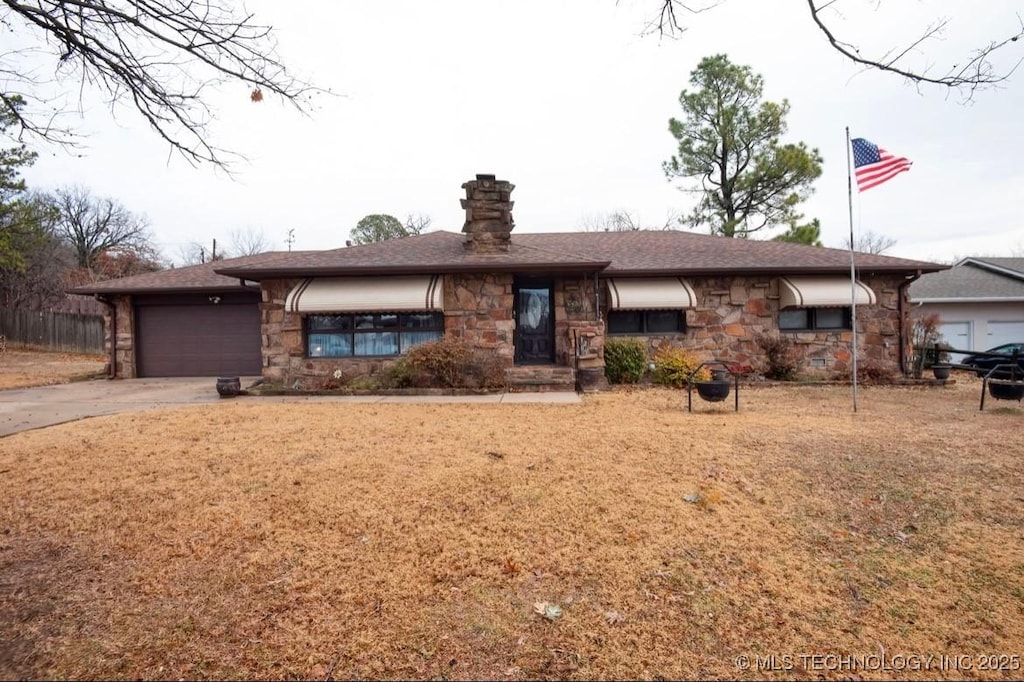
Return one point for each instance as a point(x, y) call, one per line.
point(57, 331)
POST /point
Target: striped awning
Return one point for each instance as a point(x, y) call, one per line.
point(822, 292)
point(366, 294)
point(655, 293)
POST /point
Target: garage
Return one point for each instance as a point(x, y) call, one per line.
point(1000, 333)
point(216, 334)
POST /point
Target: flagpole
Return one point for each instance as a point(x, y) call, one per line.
point(853, 271)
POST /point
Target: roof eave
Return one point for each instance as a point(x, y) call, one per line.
point(769, 270)
point(282, 273)
point(969, 299)
point(121, 291)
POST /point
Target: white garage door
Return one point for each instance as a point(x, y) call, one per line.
point(957, 335)
point(1004, 332)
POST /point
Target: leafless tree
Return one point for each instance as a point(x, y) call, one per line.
point(248, 242)
point(624, 221)
point(192, 253)
point(158, 56)
point(93, 226)
point(869, 242)
point(417, 224)
point(969, 73)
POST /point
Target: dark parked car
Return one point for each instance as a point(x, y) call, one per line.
point(983, 363)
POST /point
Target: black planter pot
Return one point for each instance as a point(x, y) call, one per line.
point(941, 371)
point(713, 391)
point(229, 387)
point(1004, 390)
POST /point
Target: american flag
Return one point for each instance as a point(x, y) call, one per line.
point(873, 165)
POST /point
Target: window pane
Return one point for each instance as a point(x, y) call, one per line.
point(330, 345)
point(423, 321)
point(663, 321)
point(624, 322)
point(376, 343)
point(330, 322)
point(386, 321)
point(830, 318)
point(794, 318)
point(363, 321)
point(413, 339)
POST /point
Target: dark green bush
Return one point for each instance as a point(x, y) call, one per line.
point(625, 360)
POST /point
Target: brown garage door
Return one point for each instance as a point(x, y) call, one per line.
point(192, 337)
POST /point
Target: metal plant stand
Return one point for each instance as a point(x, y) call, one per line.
point(715, 390)
point(999, 386)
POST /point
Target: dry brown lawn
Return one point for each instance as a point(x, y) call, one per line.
point(261, 540)
point(24, 368)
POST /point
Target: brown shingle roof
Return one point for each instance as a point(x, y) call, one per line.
point(180, 280)
point(611, 253)
point(433, 252)
point(648, 252)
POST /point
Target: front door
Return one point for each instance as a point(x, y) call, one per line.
point(535, 324)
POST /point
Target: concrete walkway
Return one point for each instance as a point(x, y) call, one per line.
point(24, 409)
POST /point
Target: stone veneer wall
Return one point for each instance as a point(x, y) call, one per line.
point(477, 308)
point(731, 313)
point(124, 359)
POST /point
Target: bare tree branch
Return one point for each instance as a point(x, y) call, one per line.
point(158, 56)
point(248, 242)
point(93, 226)
point(975, 72)
point(869, 242)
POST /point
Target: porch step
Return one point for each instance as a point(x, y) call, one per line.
point(530, 378)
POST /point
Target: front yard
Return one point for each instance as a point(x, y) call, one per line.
point(21, 368)
point(257, 540)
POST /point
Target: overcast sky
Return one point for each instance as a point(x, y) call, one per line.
point(568, 101)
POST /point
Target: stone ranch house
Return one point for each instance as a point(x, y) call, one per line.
point(537, 300)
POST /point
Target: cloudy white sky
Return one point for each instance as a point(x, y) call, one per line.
point(567, 100)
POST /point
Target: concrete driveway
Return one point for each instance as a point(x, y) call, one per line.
point(24, 409)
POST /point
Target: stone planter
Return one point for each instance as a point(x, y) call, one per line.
point(229, 387)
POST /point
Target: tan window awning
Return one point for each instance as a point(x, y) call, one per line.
point(656, 293)
point(365, 294)
point(822, 292)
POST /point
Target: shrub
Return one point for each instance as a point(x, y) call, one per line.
point(674, 366)
point(485, 370)
point(399, 374)
point(625, 360)
point(781, 357)
point(926, 340)
point(452, 363)
point(869, 372)
point(443, 360)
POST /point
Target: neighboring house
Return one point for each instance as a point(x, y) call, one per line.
point(534, 299)
point(980, 302)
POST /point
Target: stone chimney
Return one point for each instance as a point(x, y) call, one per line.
point(488, 207)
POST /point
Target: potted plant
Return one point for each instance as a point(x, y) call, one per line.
point(938, 357)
